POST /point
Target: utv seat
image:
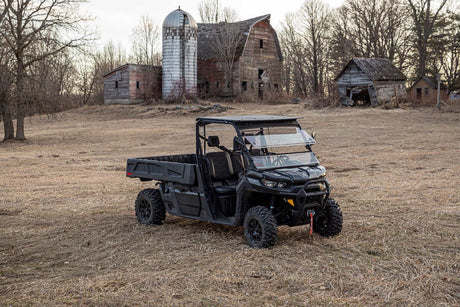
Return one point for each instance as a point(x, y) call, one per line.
point(220, 168)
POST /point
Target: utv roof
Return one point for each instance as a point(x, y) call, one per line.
point(244, 120)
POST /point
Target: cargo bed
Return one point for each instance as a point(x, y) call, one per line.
point(173, 168)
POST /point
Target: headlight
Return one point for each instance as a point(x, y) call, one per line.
point(282, 184)
point(269, 183)
point(273, 184)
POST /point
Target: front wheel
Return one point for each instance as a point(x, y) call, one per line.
point(149, 207)
point(260, 228)
point(329, 223)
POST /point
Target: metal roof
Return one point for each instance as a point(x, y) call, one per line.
point(175, 18)
point(248, 119)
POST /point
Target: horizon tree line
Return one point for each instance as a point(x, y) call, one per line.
point(48, 59)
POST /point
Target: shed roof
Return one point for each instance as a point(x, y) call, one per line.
point(378, 69)
point(208, 31)
point(432, 82)
point(128, 64)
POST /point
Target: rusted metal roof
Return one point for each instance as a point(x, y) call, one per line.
point(378, 69)
point(207, 36)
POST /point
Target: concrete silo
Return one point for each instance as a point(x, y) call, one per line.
point(179, 55)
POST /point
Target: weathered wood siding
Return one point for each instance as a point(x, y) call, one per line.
point(427, 93)
point(386, 90)
point(353, 76)
point(211, 73)
point(380, 92)
point(136, 83)
point(114, 93)
point(255, 58)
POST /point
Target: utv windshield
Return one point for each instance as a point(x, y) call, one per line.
point(280, 147)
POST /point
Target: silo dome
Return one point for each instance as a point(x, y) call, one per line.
point(179, 55)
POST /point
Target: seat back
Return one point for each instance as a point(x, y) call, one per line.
point(239, 162)
point(219, 165)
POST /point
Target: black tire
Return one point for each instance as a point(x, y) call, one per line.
point(329, 223)
point(260, 228)
point(150, 208)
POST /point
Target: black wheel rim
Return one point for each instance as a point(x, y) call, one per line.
point(144, 210)
point(254, 231)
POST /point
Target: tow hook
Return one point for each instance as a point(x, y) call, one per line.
point(311, 213)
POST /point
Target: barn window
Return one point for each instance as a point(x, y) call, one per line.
point(418, 92)
point(427, 91)
point(137, 84)
point(116, 84)
point(261, 71)
point(228, 84)
point(261, 44)
point(244, 86)
point(217, 84)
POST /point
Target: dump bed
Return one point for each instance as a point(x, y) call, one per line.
point(174, 168)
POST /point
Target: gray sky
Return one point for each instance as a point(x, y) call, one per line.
point(116, 18)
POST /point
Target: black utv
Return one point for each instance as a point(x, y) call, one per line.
point(256, 171)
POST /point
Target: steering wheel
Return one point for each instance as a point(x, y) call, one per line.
point(281, 160)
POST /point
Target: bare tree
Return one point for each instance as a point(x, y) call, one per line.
point(55, 23)
point(424, 17)
point(6, 81)
point(211, 12)
point(225, 44)
point(4, 7)
point(314, 19)
point(145, 39)
point(306, 43)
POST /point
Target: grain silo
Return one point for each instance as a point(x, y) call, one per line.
point(179, 55)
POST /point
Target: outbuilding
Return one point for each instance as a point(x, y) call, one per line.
point(425, 90)
point(132, 83)
point(370, 80)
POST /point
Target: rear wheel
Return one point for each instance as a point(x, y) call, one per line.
point(329, 222)
point(149, 207)
point(260, 228)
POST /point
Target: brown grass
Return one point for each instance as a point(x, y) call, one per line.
point(69, 235)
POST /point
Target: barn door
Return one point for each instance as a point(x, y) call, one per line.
point(373, 96)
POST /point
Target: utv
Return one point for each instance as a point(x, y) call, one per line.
point(256, 171)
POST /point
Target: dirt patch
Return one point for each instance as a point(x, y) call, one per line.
point(70, 237)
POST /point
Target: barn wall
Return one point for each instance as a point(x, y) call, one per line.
point(149, 83)
point(255, 58)
point(386, 90)
point(112, 94)
point(431, 97)
point(213, 72)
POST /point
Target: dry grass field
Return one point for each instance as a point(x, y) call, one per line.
point(69, 235)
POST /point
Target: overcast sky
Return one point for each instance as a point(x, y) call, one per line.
point(116, 18)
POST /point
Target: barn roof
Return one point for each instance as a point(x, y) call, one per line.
point(208, 31)
point(378, 69)
point(128, 64)
point(432, 82)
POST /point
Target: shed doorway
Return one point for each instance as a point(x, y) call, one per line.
point(359, 95)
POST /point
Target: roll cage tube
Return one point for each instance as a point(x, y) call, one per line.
point(200, 150)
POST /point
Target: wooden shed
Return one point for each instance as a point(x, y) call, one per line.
point(370, 80)
point(425, 90)
point(257, 64)
point(132, 83)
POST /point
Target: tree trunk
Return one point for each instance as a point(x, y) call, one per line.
point(20, 104)
point(8, 126)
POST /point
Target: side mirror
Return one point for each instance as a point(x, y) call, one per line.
point(213, 141)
